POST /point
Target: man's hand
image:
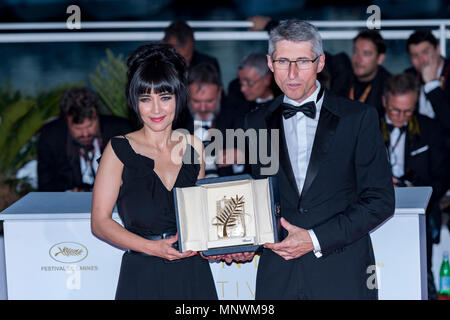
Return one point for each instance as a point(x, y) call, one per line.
point(429, 71)
point(395, 182)
point(296, 244)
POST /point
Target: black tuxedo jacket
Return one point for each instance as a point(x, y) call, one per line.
point(425, 159)
point(348, 191)
point(426, 163)
point(58, 164)
point(440, 101)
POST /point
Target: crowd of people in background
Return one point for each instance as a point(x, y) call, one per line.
point(413, 109)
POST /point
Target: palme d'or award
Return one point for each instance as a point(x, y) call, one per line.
point(226, 215)
point(230, 218)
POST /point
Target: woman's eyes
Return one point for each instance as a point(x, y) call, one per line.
point(162, 98)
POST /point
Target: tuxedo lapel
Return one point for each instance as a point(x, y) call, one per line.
point(408, 148)
point(274, 121)
point(412, 144)
point(323, 140)
point(326, 128)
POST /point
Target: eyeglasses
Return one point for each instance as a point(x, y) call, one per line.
point(397, 112)
point(249, 83)
point(301, 64)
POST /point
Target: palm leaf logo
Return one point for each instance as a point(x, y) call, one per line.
point(230, 214)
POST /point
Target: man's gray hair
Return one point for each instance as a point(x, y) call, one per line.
point(258, 61)
point(296, 31)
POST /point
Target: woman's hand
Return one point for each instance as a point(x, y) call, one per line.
point(163, 249)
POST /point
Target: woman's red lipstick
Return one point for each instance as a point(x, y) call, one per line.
point(159, 119)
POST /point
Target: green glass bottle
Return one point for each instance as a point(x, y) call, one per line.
point(444, 276)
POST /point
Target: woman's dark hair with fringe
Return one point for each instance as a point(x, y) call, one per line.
point(160, 68)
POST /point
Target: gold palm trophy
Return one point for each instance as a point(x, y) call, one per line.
point(230, 218)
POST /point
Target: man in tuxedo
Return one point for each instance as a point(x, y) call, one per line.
point(433, 71)
point(368, 76)
point(416, 151)
point(69, 146)
point(207, 109)
point(334, 178)
point(254, 86)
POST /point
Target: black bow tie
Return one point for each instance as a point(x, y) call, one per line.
point(309, 109)
point(390, 127)
point(289, 110)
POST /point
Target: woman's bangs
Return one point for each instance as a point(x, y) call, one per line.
point(160, 79)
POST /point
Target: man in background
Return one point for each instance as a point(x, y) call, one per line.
point(254, 85)
point(367, 82)
point(181, 36)
point(416, 152)
point(207, 109)
point(433, 71)
point(70, 145)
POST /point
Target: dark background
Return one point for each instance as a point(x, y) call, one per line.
point(31, 67)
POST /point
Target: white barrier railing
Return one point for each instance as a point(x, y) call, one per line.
point(342, 30)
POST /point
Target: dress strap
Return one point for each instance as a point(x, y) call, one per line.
point(122, 149)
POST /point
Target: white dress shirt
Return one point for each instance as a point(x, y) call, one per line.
point(397, 152)
point(201, 128)
point(300, 131)
point(85, 166)
point(264, 100)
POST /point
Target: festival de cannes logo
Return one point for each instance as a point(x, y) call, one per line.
point(68, 252)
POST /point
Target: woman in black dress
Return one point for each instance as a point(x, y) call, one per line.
point(138, 172)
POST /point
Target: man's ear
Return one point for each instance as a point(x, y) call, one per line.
point(381, 58)
point(321, 63)
point(269, 62)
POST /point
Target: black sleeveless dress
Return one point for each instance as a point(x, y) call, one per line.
point(146, 208)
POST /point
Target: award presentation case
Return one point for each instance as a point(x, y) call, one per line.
point(227, 214)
